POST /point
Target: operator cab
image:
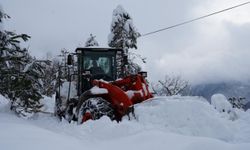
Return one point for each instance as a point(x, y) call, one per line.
point(99, 63)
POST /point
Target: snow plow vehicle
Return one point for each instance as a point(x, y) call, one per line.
point(102, 85)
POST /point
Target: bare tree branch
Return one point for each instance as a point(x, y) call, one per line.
point(173, 85)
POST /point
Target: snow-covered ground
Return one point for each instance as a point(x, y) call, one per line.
point(174, 123)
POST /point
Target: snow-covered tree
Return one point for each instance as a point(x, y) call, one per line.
point(50, 76)
point(123, 32)
point(124, 35)
point(63, 64)
point(91, 41)
point(133, 67)
point(171, 85)
point(25, 88)
point(19, 74)
point(12, 58)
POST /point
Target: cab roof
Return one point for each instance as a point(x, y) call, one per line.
point(97, 49)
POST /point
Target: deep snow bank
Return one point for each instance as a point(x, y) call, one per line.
point(162, 123)
point(192, 116)
point(189, 116)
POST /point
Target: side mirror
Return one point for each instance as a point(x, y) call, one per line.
point(143, 73)
point(70, 59)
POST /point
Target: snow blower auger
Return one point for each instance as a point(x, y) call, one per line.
point(99, 86)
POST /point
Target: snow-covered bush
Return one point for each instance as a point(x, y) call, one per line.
point(221, 104)
point(237, 102)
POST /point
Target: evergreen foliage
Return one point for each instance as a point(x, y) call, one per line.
point(133, 68)
point(123, 33)
point(20, 73)
point(91, 41)
point(49, 81)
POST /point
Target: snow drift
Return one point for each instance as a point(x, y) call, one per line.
point(164, 123)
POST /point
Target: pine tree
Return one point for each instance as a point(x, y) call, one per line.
point(49, 80)
point(91, 41)
point(19, 73)
point(123, 33)
point(27, 89)
point(12, 57)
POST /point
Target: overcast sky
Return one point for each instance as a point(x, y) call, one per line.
point(210, 50)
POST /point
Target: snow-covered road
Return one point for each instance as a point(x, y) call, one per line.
point(176, 123)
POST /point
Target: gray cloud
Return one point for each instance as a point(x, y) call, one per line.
point(209, 50)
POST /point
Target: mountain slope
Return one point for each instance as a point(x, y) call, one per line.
point(229, 89)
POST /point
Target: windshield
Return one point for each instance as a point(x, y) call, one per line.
point(99, 63)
